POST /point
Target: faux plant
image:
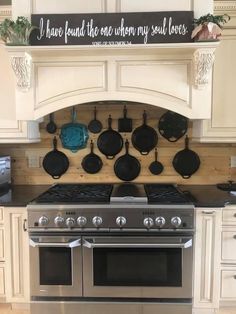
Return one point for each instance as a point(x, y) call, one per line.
point(209, 26)
point(16, 32)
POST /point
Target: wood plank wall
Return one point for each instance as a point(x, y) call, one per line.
point(215, 158)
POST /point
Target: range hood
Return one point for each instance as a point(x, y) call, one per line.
point(176, 77)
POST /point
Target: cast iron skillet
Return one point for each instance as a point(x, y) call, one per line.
point(156, 167)
point(55, 162)
point(95, 126)
point(92, 163)
point(186, 162)
point(51, 126)
point(144, 138)
point(110, 142)
point(172, 126)
point(127, 167)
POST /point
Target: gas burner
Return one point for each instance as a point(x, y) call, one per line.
point(164, 194)
point(74, 193)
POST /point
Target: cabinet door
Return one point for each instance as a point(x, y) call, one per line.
point(2, 245)
point(17, 256)
point(2, 281)
point(207, 258)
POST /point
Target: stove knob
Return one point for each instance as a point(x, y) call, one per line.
point(43, 221)
point(120, 221)
point(97, 221)
point(176, 222)
point(59, 221)
point(81, 221)
point(70, 222)
point(148, 222)
point(160, 221)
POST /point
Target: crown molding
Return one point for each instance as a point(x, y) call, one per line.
point(5, 12)
point(225, 6)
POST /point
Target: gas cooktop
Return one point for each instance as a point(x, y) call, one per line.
point(109, 193)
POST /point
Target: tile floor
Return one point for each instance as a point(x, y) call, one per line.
point(6, 309)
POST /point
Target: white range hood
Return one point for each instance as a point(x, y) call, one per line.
point(177, 77)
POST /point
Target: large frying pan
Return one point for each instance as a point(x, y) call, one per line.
point(186, 162)
point(92, 163)
point(127, 167)
point(144, 138)
point(55, 162)
point(110, 142)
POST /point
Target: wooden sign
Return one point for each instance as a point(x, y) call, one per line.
point(112, 28)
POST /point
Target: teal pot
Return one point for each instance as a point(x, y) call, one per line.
point(74, 136)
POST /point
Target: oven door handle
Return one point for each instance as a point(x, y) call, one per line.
point(89, 243)
point(71, 244)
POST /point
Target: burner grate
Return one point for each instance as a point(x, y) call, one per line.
point(72, 193)
point(164, 194)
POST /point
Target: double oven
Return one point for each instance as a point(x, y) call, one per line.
point(114, 266)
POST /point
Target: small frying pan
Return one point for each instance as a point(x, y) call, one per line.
point(144, 138)
point(127, 167)
point(55, 162)
point(156, 167)
point(186, 162)
point(110, 142)
point(92, 163)
point(51, 126)
point(95, 126)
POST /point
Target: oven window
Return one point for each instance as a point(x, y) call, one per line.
point(55, 266)
point(138, 267)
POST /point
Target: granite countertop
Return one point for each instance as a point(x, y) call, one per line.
point(208, 195)
point(200, 195)
point(21, 195)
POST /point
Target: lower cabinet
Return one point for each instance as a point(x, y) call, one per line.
point(17, 255)
point(228, 257)
point(2, 257)
point(207, 261)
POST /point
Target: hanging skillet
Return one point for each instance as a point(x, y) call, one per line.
point(172, 126)
point(186, 162)
point(74, 135)
point(95, 126)
point(144, 138)
point(110, 142)
point(127, 167)
point(55, 162)
point(156, 166)
point(92, 163)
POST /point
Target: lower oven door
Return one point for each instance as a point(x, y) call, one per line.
point(55, 266)
point(138, 267)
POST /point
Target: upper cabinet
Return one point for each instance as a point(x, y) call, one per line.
point(222, 126)
point(12, 130)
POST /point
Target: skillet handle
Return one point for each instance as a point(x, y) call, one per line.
point(55, 143)
point(186, 177)
point(56, 177)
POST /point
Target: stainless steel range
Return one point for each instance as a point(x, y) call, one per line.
point(100, 248)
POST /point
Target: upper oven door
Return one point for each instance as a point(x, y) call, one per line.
point(55, 266)
point(138, 267)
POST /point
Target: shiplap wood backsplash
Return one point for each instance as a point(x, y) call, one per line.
point(215, 158)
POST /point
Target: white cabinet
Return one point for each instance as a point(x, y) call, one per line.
point(207, 260)
point(222, 126)
point(228, 256)
point(12, 130)
point(2, 256)
point(17, 255)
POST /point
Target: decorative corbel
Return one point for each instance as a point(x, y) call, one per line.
point(203, 60)
point(22, 67)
